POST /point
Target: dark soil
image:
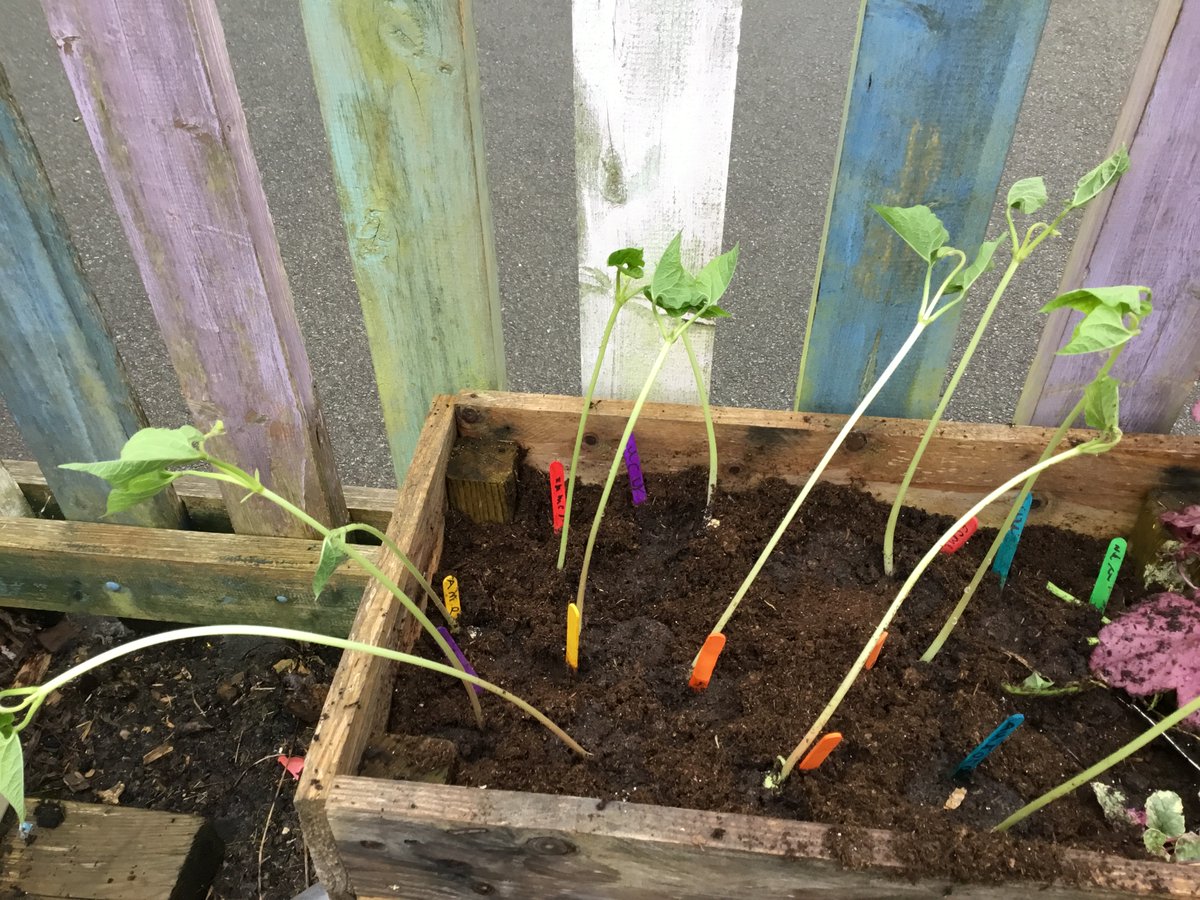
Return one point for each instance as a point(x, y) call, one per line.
point(226, 709)
point(659, 580)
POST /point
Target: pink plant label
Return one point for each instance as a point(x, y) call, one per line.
point(558, 494)
point(1108, 573)
point(467, 667)
point(294, 765)
point(633, 465)
point(961, 536)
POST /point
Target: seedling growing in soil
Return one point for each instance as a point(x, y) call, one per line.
point(149, 462)
point(1165, 833)
point(1102, 412)
point(1112, 317)
point(1026, 196)
point(30, 699)
point(674, 294)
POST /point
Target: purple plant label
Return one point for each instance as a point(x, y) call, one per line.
point(988, 744)
point(633, 465)
point(1108, 573)
point(1008, 547)
point(445, 632)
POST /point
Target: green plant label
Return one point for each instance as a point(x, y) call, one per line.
point(1008, 547)
point(1108, 573)
point(988, 744)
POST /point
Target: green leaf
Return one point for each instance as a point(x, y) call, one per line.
point(138, 490)
point(1114, 803)
point(1036, 682)
point(333, 551)
point(1037, 685)
point(672, 288)
point(983, 262)
point(1027, 195)
point(1101, 329)
point(714, 278)
point(918, 226)
point(1164, 812)
point(1187, 848)
point(1125, 298)
point(1156, 842)
point(712, 311)
point(1100, 177)
point(150, 450)
point(12, 770)
point(629, 261)
point(1101, 404)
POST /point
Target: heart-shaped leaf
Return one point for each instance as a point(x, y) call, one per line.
point(983, 262)
point(1100, 177)
point(1027, 195)
point(714, 278)
point(629, 261)
point(12, 769)
point(1102, 329)
point(333, 551)
point(150, 450)
point(920, 228)
point(1164, 811)
point(1102, 404)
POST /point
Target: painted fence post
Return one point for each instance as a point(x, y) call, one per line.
point(934, 93)
point(398, 85)
point(59, 371)
point(155, 87)
point(1146, 231)
point(654, 89)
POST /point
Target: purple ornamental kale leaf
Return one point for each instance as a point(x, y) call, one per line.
point(1154, 648)
point(1184, 526)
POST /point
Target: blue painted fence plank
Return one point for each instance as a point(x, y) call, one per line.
point(59, 371)
point(934, 96)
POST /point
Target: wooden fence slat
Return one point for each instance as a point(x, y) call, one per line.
point(935, 91)
point(1145, 232)
point(59, 371)
point(654, 89)
point(155, 87)
point(398, 85)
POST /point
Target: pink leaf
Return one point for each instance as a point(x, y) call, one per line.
point(294, 765)
point(1154, 648)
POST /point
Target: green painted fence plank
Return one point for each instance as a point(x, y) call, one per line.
point(399, 93)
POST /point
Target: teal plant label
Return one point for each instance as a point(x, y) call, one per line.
point(988, 744)
point(1008, 548)
point(1108, 573)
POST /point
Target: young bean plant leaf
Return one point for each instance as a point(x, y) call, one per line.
point(983, 263)
point(672, 288)
point(149, 451)
point(1102, 404)
point(1100, 177)
point(714, 278)
point(629, 261)
point(1106, 312)
point(333, 552)
point(12, 767)
point(1164, 821)
point(920, 228)
point(1027, 195)
point(1037, 685)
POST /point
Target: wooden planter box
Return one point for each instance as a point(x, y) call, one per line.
point(382, 838)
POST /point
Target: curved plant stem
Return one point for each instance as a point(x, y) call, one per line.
point(774, 780)
point(416, 573)
point(1104, 765)
point(706, 411)
point(38, 695)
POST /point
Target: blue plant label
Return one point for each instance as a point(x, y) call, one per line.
point(1108, 573)
point(988, 744)
point(633, 465)
point(1008, 547)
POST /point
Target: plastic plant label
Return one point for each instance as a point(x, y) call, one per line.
point(821, 749)
point(961, 536)
point(573, 625)
point(450, 594)
point(633, 465)
point(1108, 573)
point(988, 744)
point(558, 494)
point(467, 667)
point(875, 651)
point(293, 764)
point(706, 662)
point(1008, 547)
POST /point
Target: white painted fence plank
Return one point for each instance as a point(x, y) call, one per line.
point(654, 87)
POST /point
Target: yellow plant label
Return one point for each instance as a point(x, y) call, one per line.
point(573, 624)
point(450, 593)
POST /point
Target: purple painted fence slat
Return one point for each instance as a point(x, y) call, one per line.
point(1147, 233)
point(155, 87)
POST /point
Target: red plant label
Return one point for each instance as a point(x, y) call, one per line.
point(294, 765)
point(558, 494)
point(875, 651)
point(706, 662)
point(961, 536)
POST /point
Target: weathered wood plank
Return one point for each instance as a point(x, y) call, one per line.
point(654, 90)
point(113, 853)
point(1146, 232)
point(12, 501)
point(399, 92)
point(203, 501)
point(360, 694)
point(74, 403)
point(172, 576)
point(934, 95)
point(155, 87)
point(963, 462)
point(443, 841)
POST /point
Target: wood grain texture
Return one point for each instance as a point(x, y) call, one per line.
point(962, 464)
point(74, 404)
point(654, 90)
point(398, 86)
point(441, 841)
point(172, 576)
point(12, 500)
point(933, 103)
point(481, 480)
point(113, 853)
point(202, 499)
point(154, 84)
point(360, 695)
point(1145, 232)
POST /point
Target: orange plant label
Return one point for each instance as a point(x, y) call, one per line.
point(820, 750)
point(961, 536)
point(706, 662)
point(573, 624)
point(875, 651)
point(558, 494)
point(450, 593)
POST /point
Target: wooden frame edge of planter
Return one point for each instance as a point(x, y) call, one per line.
point(963, 463)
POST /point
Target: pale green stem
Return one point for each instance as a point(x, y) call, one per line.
point(34, 700)
point(706, 411)
point(1103, 766)
point(775, 780)
point(412, 570)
